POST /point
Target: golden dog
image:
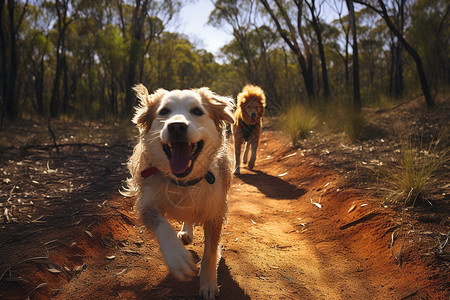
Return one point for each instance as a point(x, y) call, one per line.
point(250, 110)
point(181, 168)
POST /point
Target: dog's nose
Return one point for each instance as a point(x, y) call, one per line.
point(253, 115)
point(177, 129)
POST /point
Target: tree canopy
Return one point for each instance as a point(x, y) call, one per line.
point(80, 58)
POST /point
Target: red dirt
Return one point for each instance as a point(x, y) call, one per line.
point(290, 234)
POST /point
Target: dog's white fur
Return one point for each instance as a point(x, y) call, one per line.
point(158, 195)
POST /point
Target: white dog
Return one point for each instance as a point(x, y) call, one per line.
point(181, 168)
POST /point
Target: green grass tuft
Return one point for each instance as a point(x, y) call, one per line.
point(297, 122)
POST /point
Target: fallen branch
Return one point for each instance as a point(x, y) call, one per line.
point(362, 219)
point(48, 147)
point(53, 137)
point(21, 262)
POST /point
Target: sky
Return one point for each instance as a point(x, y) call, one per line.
point(193, 18)
point(192, 22)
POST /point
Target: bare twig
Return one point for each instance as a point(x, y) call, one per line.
point(409, 295)
point(53, 137)
point(48, 147)
point(287, 277)
point(21, 262)
point(362, 219)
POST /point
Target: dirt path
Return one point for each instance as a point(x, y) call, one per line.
point(294, 231)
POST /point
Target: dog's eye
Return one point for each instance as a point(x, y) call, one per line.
point(164, 111)
point(197, 111)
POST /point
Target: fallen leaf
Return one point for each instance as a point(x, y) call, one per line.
point(352, 208)
point(317, 204)
point(290, 155)
point(117, 274)
point(111, 257)
point(54, 271)
point(283, 174)
point(80, 268)
point(132, 252)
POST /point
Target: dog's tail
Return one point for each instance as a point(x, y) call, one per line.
point(129, 189)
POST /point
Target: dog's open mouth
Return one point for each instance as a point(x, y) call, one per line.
point(182, 156)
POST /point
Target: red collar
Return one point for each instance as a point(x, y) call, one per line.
point(149, 172)
point(152, 170)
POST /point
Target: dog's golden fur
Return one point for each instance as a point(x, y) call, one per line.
point(203, 116)
point(250, 110)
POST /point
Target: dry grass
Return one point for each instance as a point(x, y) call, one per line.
point(297, 122)
point(416, 170)
point(354, 125)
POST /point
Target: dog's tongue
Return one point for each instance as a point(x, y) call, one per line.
point(181, 155)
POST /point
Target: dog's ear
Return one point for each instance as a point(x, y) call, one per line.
point(220, 108)
point(145, 110)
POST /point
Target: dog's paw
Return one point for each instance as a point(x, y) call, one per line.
point(185, 237)
point(209, 291)
point(237, 171)
point(251, 165)
point(244, 159)
point(180, 262)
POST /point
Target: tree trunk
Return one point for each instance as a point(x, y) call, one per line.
point(55, 96)
point(11, 103)
point(356, 87)
point(60, 52)
point(318, 32)
point(66, 85)
point(398, 71)
point(3, 72)
point(39, 86)
point(135, 55)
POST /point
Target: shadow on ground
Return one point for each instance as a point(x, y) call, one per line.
point(272, 186)
point(171, 288)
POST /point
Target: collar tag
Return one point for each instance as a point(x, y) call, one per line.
point(210, 177)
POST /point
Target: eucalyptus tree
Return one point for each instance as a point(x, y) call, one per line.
point(380, 7)
point(240, 15)
point(66, 12)
point(356, 85)
point(315, 10)
point(141, 23)
point(11, 20)
point(37, 49)
point(285, 14)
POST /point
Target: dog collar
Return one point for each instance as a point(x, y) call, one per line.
point(209, 177)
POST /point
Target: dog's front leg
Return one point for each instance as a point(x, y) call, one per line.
point(251, 163)
point(237, 155)
point(254, 144)
point(177, 258)
point(208, 271)
point(186, 234)
point(245, 156)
